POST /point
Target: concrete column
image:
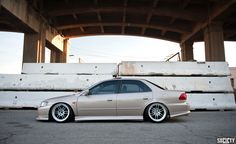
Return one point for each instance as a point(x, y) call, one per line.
point(64, 54)
point(214, 42)
point(53, 57)
point(187, 51)
point(34, 47)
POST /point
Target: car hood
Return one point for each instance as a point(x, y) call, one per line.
point(63, 98)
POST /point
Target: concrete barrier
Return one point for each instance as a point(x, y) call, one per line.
point(49, 82)
point(70, 68)
point(80, 82)
point(130, 68)
point(20, 99)
point(190, 84)
point(211, 101)
point(207, 83)
point(208, 101)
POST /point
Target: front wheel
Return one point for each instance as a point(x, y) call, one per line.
point(61, 113)
point(156, 112)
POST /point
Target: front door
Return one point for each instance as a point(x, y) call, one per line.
point(101, 100)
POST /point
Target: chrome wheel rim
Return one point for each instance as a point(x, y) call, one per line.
point(60, 112)
point(157, 112)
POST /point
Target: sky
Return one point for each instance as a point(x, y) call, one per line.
point(104, 49)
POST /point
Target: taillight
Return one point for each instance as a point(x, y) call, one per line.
point(183, 96)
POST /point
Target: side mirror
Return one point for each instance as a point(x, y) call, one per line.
point(86, 93)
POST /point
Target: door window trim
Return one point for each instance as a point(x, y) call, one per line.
point(120, 87)
point(117, 88)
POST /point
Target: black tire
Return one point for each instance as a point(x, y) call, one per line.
point(156, 112)
point(61, 113)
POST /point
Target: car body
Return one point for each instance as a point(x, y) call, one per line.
point(116, 99)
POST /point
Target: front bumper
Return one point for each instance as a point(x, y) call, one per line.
point(43, 113)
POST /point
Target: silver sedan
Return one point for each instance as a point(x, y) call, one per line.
point(116, 99)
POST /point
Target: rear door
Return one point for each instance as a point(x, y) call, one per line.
point(132, 97)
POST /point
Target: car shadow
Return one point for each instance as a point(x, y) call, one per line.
point(172, 120)
point(110, 121)
point(176, 120)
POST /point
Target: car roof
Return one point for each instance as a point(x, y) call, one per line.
point(138, 79)
point(119, 78)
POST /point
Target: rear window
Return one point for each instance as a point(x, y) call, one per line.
point(133, 86)
point(155, 85)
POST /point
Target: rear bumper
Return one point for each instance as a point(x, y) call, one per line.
point(179, 109)
point(180, 114)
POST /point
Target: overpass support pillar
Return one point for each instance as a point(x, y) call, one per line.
point(58, 56)
point(187, 51)
point(214, 42)
point(64, 54)
point(55, 58)
point(34, 47)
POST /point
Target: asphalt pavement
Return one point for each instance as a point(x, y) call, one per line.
point(20, 127)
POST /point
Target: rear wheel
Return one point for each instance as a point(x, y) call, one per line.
point(156, 112)
point(61, 112)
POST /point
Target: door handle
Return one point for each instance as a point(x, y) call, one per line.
point(109, 100)
point(145, 98)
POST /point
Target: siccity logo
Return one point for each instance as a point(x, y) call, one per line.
point(225, 140)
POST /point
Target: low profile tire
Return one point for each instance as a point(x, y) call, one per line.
point(61, 112)
point(156, 112)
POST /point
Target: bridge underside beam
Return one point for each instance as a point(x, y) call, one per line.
point(217, 13)
point(37, 31)
point(183, 22)
point(211, 32)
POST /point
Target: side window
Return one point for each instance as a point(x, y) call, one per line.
point(133, 86)
point(109, 87)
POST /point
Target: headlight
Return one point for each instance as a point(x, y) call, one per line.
point(44, 103)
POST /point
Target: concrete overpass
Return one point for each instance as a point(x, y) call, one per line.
point(51, 23)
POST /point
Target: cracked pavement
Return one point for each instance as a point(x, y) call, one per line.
point(20, 127)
